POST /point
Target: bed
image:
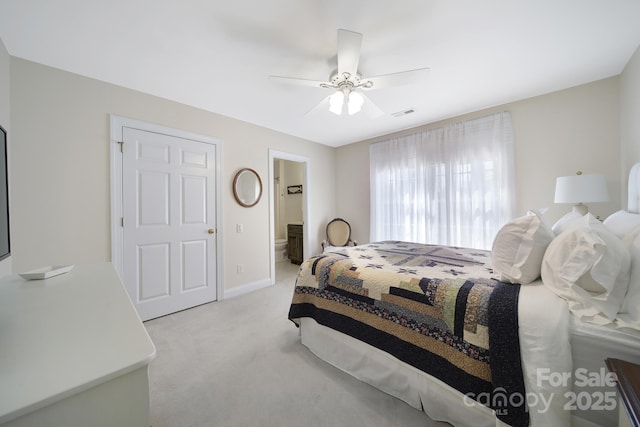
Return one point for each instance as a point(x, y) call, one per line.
point(477, 338)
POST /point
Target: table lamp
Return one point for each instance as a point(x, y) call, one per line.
point(581, 189)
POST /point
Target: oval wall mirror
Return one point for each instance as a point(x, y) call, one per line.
point(247, 187)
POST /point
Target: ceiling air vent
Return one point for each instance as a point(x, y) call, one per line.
point(403, 113)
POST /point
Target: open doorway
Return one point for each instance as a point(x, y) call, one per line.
point(288, 206)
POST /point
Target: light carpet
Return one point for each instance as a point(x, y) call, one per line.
point(239, 362)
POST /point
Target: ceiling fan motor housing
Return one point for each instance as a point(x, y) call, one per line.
point(348, 80)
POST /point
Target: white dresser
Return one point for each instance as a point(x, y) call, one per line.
point(73, 352)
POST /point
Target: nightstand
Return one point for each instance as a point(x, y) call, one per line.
point(628, 385)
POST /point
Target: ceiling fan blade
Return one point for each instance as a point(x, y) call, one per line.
point(397, 79)
point(369, 108)
point(296, 81)
point(323, 105)
point(349, 44)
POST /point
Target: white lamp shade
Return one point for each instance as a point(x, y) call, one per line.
point(355, 102)
point(581, 189)
point(336, 102)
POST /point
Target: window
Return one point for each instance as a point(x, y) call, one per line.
point(451, 185)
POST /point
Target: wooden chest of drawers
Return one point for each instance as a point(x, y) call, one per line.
point(294, 233)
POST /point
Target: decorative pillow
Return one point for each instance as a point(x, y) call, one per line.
point(567, 222)
point(518, 249)
point(588, 266)
point(623, 224)
point(629, 315)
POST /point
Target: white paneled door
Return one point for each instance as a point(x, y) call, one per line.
point(169, 236)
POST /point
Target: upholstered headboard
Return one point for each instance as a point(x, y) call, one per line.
point(634, 189)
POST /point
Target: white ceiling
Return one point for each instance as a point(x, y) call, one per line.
point(217, 55)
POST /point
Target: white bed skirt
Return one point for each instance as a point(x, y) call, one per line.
point(539, 311)
point(383, 371)
point(442, 402)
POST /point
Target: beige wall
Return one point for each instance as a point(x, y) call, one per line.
point(6, 264)
point(629, 118)
point(60, 176)
point(60, 165)
point(556, 134)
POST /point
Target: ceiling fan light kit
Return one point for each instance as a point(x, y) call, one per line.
point(346, 96)
point(346, 93)
point(348, 84)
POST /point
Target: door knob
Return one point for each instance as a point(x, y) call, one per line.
point(211, 230)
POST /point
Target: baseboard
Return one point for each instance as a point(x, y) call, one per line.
point(245, 289)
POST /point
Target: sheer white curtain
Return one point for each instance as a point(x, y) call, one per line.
point(452, 185)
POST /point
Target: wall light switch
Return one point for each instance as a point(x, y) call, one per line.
point(240, 268)
point(239, 228)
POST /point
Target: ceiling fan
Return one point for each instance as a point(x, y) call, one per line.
point(349, 85)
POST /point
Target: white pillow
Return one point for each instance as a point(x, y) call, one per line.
point(589, 267)
point(567, 222)
point(623, 224)
point(629, 315)
point(518, 249)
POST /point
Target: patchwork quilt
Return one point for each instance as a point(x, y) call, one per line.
point(436, 308)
